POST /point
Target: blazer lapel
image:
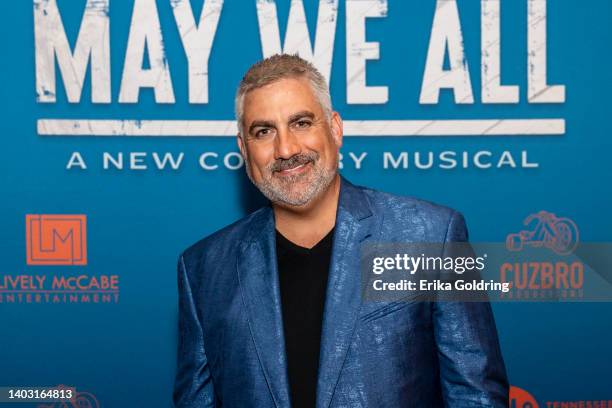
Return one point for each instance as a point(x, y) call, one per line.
point(354, 224)
point(258, 277)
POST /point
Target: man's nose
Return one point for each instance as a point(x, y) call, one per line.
point(286, 144)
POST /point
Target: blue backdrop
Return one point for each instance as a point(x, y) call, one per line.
point(138, 221)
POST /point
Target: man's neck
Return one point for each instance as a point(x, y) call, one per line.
point(307, 225)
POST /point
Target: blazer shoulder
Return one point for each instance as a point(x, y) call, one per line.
point(222, 243)
point(387, 202)
point(412, 216)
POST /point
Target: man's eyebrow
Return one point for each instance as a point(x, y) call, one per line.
point(302, 114)
point(260, 123)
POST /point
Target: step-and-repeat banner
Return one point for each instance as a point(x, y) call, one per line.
point(119, 151)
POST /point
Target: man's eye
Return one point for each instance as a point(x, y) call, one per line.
point(262, 132)
point(302, 124)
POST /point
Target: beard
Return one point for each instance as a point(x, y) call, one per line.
point(294, 189)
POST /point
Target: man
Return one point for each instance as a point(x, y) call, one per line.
point(271, 313)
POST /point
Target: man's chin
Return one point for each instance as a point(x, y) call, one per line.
point(293, 199)
point(297, 192)
point(299, 195)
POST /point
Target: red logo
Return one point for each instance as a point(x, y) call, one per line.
point(540, 277)
point(519, 398)
point(545, 229)
point(56, 239)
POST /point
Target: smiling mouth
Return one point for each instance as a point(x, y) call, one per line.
point(294, 170)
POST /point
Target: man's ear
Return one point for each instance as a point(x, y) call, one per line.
point(337, 128)
point(241, 145)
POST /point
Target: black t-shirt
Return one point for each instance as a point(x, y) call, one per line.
point(303, 282)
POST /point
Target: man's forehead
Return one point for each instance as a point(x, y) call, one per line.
point(286, 97)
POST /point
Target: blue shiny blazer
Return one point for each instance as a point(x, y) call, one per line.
point(231, 350)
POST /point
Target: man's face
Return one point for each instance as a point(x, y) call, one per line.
point(289, 145)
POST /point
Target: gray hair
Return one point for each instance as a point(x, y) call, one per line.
point(277, 67)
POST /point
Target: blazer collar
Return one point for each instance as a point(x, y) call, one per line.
point(258, 277)
point(352, 201)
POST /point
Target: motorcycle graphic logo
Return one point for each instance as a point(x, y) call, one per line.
point(545, 230)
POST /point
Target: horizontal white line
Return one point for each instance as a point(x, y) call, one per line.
point(191, 128)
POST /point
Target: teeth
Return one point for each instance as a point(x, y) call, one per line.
point(295, 167)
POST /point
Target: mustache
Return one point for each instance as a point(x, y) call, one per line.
point(294, 161)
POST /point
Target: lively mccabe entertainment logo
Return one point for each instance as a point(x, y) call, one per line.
point(547, 270)
point(57, 240)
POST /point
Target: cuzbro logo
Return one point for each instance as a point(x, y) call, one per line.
point(56, 239)
point(545, 270)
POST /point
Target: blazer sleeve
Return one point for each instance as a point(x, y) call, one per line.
point(472, 369)
point(193, 386)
